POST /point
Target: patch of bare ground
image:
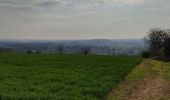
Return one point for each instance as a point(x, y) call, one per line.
point(149, 89)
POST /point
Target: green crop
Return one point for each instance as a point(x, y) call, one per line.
point(61, 77)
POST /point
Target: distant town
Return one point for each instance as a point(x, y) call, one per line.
point(96, 46)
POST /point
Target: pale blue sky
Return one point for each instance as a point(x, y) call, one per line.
point(81, 19)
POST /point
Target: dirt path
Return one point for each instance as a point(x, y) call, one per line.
point(149, 90)
point(145, 82)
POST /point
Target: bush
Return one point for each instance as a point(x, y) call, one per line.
point(29, 51)
point(146, 54)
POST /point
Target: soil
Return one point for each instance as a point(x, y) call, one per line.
point(149, 90)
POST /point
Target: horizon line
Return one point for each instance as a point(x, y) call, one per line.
point(69, 39)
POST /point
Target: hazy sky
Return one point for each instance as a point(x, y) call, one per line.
point(81, 19)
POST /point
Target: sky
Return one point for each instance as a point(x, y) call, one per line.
point(81, 19)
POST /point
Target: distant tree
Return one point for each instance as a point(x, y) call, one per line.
point(156, 40)
point(60, 49)
point(85, 50)
point(29, 51)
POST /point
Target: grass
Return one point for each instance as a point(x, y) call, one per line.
point(148, 69)
point(61, 77)
point(166, 70)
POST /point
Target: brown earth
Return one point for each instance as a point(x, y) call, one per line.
point(149, 90)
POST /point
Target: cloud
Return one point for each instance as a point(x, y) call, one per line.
point(123, 1)
point(49, 3)
point(28, 5)
point(92, 9)
point(76, 18)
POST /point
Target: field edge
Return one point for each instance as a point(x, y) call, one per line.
point(150, 80)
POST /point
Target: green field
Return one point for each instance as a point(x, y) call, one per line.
point(61, 77)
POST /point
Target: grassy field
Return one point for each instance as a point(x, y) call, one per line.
point(61, 77)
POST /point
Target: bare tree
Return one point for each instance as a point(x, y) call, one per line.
point(156, 39)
